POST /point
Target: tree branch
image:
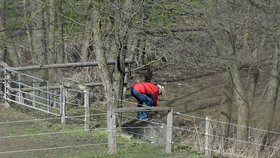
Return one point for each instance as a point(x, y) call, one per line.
point(171, 30)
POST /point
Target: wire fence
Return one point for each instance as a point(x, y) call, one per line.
point(213, 141)
point(191, 135)
point(205, 136)
point(44, 138)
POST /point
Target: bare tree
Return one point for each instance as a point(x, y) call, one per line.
point(87, 32)
point(60, 55)
point(101, 57)
point(227, 29)
point(244, 33)
point(3, 37)
point(112, 79)
point(51, 33)
point(37, 16)
point(9, 52)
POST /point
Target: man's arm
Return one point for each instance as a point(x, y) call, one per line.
point(156, 104)
point(155, 99)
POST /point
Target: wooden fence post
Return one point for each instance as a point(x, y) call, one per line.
point(207, 132)
point(34, 92)
point(20, 95)
point(169, 128)
point(87, 112)
point(62, 104)
point(125, 82)
point(111, 123)
point(48, 97)
point(7, 87)
point(55, 98)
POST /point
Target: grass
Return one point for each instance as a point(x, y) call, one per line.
point(75, 143)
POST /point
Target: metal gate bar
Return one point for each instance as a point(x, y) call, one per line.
point(14, 83)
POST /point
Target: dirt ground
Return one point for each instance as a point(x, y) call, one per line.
point(193, 91)
point(190, 91)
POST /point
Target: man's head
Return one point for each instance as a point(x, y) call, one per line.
point(161, 89)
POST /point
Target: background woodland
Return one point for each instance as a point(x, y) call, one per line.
point(239, 37)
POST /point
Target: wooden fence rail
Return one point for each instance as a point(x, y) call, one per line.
point(64, 65)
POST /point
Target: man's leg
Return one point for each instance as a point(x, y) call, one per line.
point(147, 100)
point(139, 113)
point(140, 99)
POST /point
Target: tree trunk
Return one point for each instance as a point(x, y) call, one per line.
point(122, 43)
point(60, 55)
point(37, 16)
point(268, 101)
point(242, 104)
point(227, 103)
point(7, 43)
point(3, 47)
point(45, 42)
point(52, 23)
point(101, 58)
point(40, 38)
point(87, 32)
point(251, 89)
point(28, 31)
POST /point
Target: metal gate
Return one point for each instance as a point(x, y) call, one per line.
point(32, 92)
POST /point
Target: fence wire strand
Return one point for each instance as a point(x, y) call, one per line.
point(194, 130)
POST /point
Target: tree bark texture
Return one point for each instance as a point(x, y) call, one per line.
point(227, 104)
point(3, 47)
point(26, 15)
point(37, 30)
point(85, 53)
point(105, 75)
point(242, 104)
point(60, 55)
point(52, 24)
point(267, 103)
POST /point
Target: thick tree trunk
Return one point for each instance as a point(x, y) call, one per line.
point(87, 32)
point(37, 16)
point(105, 75)
point(268, 101)
point(52, 19)
point(8, 50)
point(45, 43)
point(3, 47)
point(28, 31)
point(242, 103)
point(60, 55)
point(122, 40)
point(251, 89)
point(227, 105)
point(40, 38)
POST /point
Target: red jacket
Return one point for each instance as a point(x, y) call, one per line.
point(148, 88)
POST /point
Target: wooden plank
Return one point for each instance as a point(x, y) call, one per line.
point(136, 109)
point(174, 30)
point(169, 131)
point(64, 65)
